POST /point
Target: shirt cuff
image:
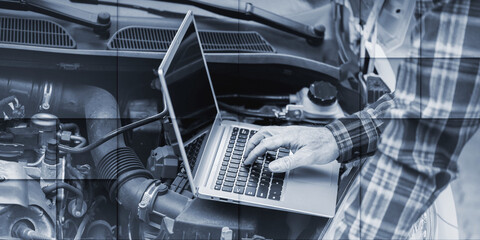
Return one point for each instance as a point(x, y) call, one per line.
point(356, 136)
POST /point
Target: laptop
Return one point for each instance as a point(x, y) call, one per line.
point(214, 163)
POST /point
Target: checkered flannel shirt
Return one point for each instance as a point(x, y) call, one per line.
point(417, 133)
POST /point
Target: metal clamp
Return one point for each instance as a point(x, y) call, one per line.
point(146, 204)
point(47, 95)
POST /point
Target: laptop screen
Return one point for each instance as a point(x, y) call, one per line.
point(189, 86)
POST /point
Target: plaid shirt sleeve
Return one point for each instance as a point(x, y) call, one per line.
point(357, 135)
point(435, 111)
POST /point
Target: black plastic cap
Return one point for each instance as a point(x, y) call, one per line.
point(322, 93)
point(103, 18)
point(319, 30)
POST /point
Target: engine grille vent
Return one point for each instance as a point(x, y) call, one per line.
point(159, 39)
point(34, 32)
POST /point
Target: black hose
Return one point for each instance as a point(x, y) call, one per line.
point(7, 100)
point(49, 189)
point(115, 133)
point(279, 98)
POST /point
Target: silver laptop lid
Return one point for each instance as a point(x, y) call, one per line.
point(187, 87)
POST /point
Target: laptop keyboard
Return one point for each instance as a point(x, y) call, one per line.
point(254, 180)
point(193, 148)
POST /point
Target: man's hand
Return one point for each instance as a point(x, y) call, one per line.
point(310, 145)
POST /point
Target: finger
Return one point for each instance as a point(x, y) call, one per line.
point(270, 143)
point(257, 138)
point(288, 163)
point(253, 142)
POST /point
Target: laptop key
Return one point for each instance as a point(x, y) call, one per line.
point(274, 197)
point(242, 140)
point(225, 163)
point(266, 174)
point(257, 166)
point(239, 153)
point(265, 180)
point(232, 170)
point(254, 176)
point(217, 187)
point(267, 171)
point(277, 182)
point(279, 175)
point(223, 168)
point(234, 165)
point(275, 192)
point(276, 188)
point(230, 174)
point(250, 191)
point(242, 174)
point(230, 179)
point(235, 161)
point(238, 190)
point(241, 184)
point(228, 184)
point(222, 172)
point(227, 189)
point(242, 179)
point(219, 182)
point(238, 148)
point(220, 177)
point(262, 192)
point(252, 184)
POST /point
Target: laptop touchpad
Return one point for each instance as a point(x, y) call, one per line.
point(310, 174)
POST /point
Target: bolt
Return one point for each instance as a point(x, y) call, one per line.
point(45, 106)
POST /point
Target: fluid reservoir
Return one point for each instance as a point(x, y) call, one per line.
point(320, 101)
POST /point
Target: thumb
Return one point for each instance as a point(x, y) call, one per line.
point(286, 163)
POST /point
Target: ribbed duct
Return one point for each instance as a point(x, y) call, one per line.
point(159, 39)
point(34, 32)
